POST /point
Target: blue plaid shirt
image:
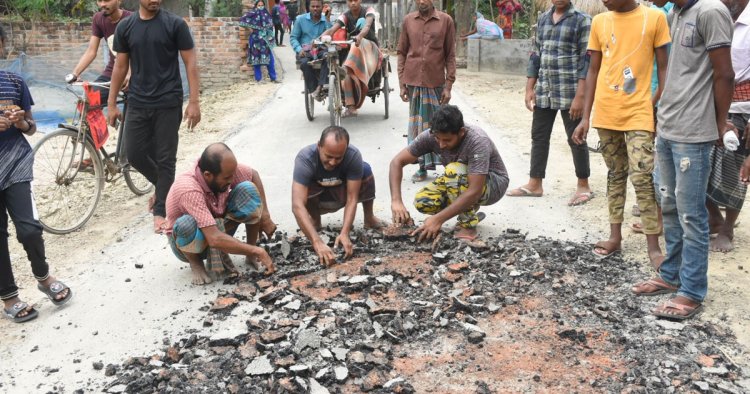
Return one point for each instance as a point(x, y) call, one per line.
point(559, 58)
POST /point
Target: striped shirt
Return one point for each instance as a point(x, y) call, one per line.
point(190, 195)
point(16, 156)
point(559, 57)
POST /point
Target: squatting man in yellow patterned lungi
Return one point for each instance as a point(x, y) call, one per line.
point(474, 175)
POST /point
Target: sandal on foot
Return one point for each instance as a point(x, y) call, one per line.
point(522, 192)
point(653, 287)
point(17, 308)
point(53, 290)
point(419, 176)
point(580, 199)
point(678, 311)
point(606, 251)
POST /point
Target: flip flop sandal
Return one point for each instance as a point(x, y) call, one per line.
point(580, 199)
point(53, 290)
point(688, 311)
point(603, 255)
point(419, 176)
point(661, 288)
point(522, 192)
point(17, 308)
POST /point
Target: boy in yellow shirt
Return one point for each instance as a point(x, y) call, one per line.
point(623, 43)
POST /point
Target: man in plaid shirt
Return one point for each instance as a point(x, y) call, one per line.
point(556, 76)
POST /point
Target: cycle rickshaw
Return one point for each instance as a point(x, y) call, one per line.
point(377, 85)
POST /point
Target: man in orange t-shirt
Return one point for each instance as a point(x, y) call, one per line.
point(623, 44)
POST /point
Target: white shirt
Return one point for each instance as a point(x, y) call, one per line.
point(741, 56)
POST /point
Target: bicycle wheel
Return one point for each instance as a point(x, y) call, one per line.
point(334, 100)
point(68, 181)
point(309, 105)
point(137, 183)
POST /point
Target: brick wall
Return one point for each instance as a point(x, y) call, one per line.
point(55, 47)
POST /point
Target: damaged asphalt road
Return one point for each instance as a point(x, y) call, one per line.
point(515, 314)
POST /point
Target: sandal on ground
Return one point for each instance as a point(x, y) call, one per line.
point(522, 192)
point(419, 176)
point(674, 311)
point(53, 290)
point(580, 199)
point(606, 252)
point(653, 287)
point(17, 308)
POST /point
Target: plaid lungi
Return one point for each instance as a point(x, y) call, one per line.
point(724, 186)
point(244, 205)
point(423, 102)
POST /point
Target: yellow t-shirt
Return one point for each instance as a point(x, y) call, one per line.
point(627, 41)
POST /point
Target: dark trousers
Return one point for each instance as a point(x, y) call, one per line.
point(541, 130)
point(153, 135)
point(278, 32)
point(17, 202)
point(313, 77)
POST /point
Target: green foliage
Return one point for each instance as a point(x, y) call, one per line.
point(224, 8)
point(50, 9)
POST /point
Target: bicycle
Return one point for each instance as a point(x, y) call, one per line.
point(336, 74)
point(69, 172)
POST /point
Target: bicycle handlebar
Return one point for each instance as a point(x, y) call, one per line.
point(98, 84)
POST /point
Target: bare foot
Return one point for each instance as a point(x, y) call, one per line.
point(656, 258)
point(374, 223)
point(200, 276)
point(466, 234)
point(722, 243)
point(160, 224)
point(268, 227)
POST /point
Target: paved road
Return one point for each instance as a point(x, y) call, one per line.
point(121, 311)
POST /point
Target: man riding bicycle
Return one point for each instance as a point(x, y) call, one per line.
point(363, 59)
point(102, 26)
point(308, 27)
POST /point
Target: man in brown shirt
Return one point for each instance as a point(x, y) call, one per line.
point(426, 70)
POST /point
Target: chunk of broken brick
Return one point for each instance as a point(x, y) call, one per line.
point(538, 275)
point(458, 267)
point(706, 361)
point(272, 336)
point(452, 277)
point(287, 361)
point(245, 291)
point(222, 303)
point(173, 355)
point(264, 283)
point(374, 380)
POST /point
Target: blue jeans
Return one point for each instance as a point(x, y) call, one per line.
point(684, 178)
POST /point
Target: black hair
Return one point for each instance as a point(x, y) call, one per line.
point(338, 134)
point(447, 119)
point(212, 156)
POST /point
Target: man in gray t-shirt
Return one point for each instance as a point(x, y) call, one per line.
point(692, 116)
point(328, 176)
point(474, 175)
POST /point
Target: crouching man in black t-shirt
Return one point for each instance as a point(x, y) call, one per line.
point(328, 176)
point(148, 42)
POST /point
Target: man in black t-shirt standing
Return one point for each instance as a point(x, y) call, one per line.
point(148, 42)
point(328, 176)
point(102, 27)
